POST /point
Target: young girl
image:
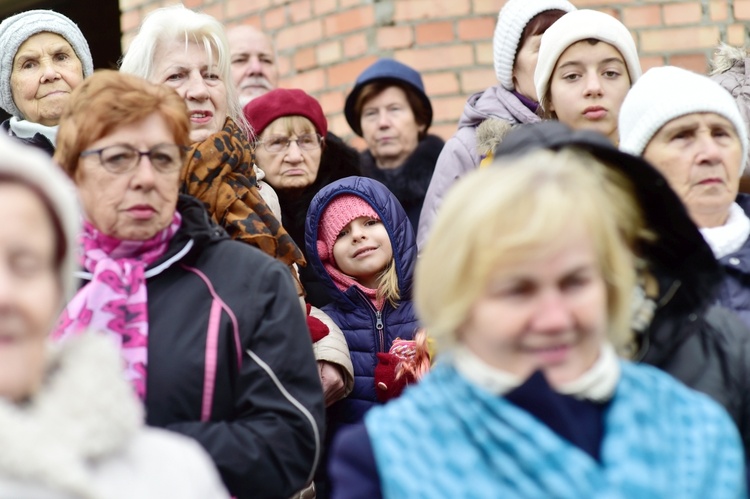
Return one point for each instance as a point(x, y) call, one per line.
point(361, 244)
point(587, 63)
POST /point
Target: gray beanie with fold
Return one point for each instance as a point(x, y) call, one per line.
point(17, 29)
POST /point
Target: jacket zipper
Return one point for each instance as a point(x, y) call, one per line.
point(379, 324)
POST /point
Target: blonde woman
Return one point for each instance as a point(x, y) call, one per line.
point(526, 285)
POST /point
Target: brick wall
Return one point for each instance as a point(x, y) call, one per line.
point(324, 44)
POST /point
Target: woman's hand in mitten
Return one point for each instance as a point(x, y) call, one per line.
point(387, 385)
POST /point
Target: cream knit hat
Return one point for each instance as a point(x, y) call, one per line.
point(511, 21)
point(17, 29)
point(34, 168)
point(666, 93)
point(582, 25)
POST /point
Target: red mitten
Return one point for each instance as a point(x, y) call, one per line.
point(386, 384)
point(318, 330)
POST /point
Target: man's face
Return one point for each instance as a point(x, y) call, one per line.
point(254, 70)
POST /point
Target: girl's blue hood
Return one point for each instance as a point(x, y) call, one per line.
point(391, 214)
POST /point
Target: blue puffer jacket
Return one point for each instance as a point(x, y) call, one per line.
point(351, 310)
point(734, 292)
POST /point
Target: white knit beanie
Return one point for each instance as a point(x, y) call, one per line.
point(511, 21)
point(582, 25)
point(35, 168)
point(666, 93)
point(17, 29)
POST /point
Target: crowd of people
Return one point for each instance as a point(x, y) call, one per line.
point(219, 297)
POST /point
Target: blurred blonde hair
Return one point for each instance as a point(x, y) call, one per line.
point(503, 214)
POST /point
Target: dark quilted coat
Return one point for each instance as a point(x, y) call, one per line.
point(734, 293)
point(351, 310)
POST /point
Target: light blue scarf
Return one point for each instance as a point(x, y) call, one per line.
point(445, 437)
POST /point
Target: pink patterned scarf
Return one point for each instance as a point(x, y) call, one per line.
point(115, 300)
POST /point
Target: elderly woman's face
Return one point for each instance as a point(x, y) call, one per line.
point(700, 155)
point(294, 166)
point(187, 70)
point(45, 71)
point(389, 127)
point(135, 204)
point(30, 293)
point(548, 312)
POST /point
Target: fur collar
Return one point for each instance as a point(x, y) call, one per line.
point(726, 57)
point(84, 411)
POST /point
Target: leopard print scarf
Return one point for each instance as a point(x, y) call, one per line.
point(219, 172)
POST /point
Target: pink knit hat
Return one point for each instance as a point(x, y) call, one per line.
point(340, 211)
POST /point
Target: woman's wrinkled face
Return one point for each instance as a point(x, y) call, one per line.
point(136, 204)
point(30, 292)
point(293, 167)
point(547, 311)
point(700, 155)
point(45, 71)
point(196, 77)
point(389, 127)
point(524, 66)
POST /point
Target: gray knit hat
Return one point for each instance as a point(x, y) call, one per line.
point(33, 167)
point(17, 29)
point(665, 93)
point(511, 21)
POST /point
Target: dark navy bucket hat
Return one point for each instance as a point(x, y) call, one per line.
point(385, 70)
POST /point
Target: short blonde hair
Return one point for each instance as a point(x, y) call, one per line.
point(499, 215)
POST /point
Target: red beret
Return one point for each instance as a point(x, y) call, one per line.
point(264, 110)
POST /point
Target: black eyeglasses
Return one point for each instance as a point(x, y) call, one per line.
point(122, 158)
point(279, 143)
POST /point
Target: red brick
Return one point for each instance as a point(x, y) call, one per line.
point(484, 53)
point(642, 15)
point(310, 81)
point(444, 131)
point(412, 10)
point(682, 13)
point(349, 3)
point(487, 6)
point(444, 83)
point(237, 8)
point(718, 10)
point(474, 80)
point(350, 20)
point(274, 18)
point(597, 4)
point(338, 125)
point(346, 73)
point(736, 35)
point(355, 45)
point(284, 64)
point(447, 108)
point(299, 11)
point(324, 6)
point(476, 29)
point(304, 59)
point(428, 33)
point(437, 58)
point(301, 34)
point(679, 38)
point(693, 62)
point(651, 62)
point(332, 102)
point(393, 37)
point(214, 10)
point(742, 10)
point(328, 52)
point(357, 142)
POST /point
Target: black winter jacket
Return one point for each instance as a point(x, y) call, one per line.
point(408, 182)
point(230, 362)
point(39, 141)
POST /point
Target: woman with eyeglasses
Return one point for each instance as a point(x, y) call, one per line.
point(212, 336)
point(298, 161)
